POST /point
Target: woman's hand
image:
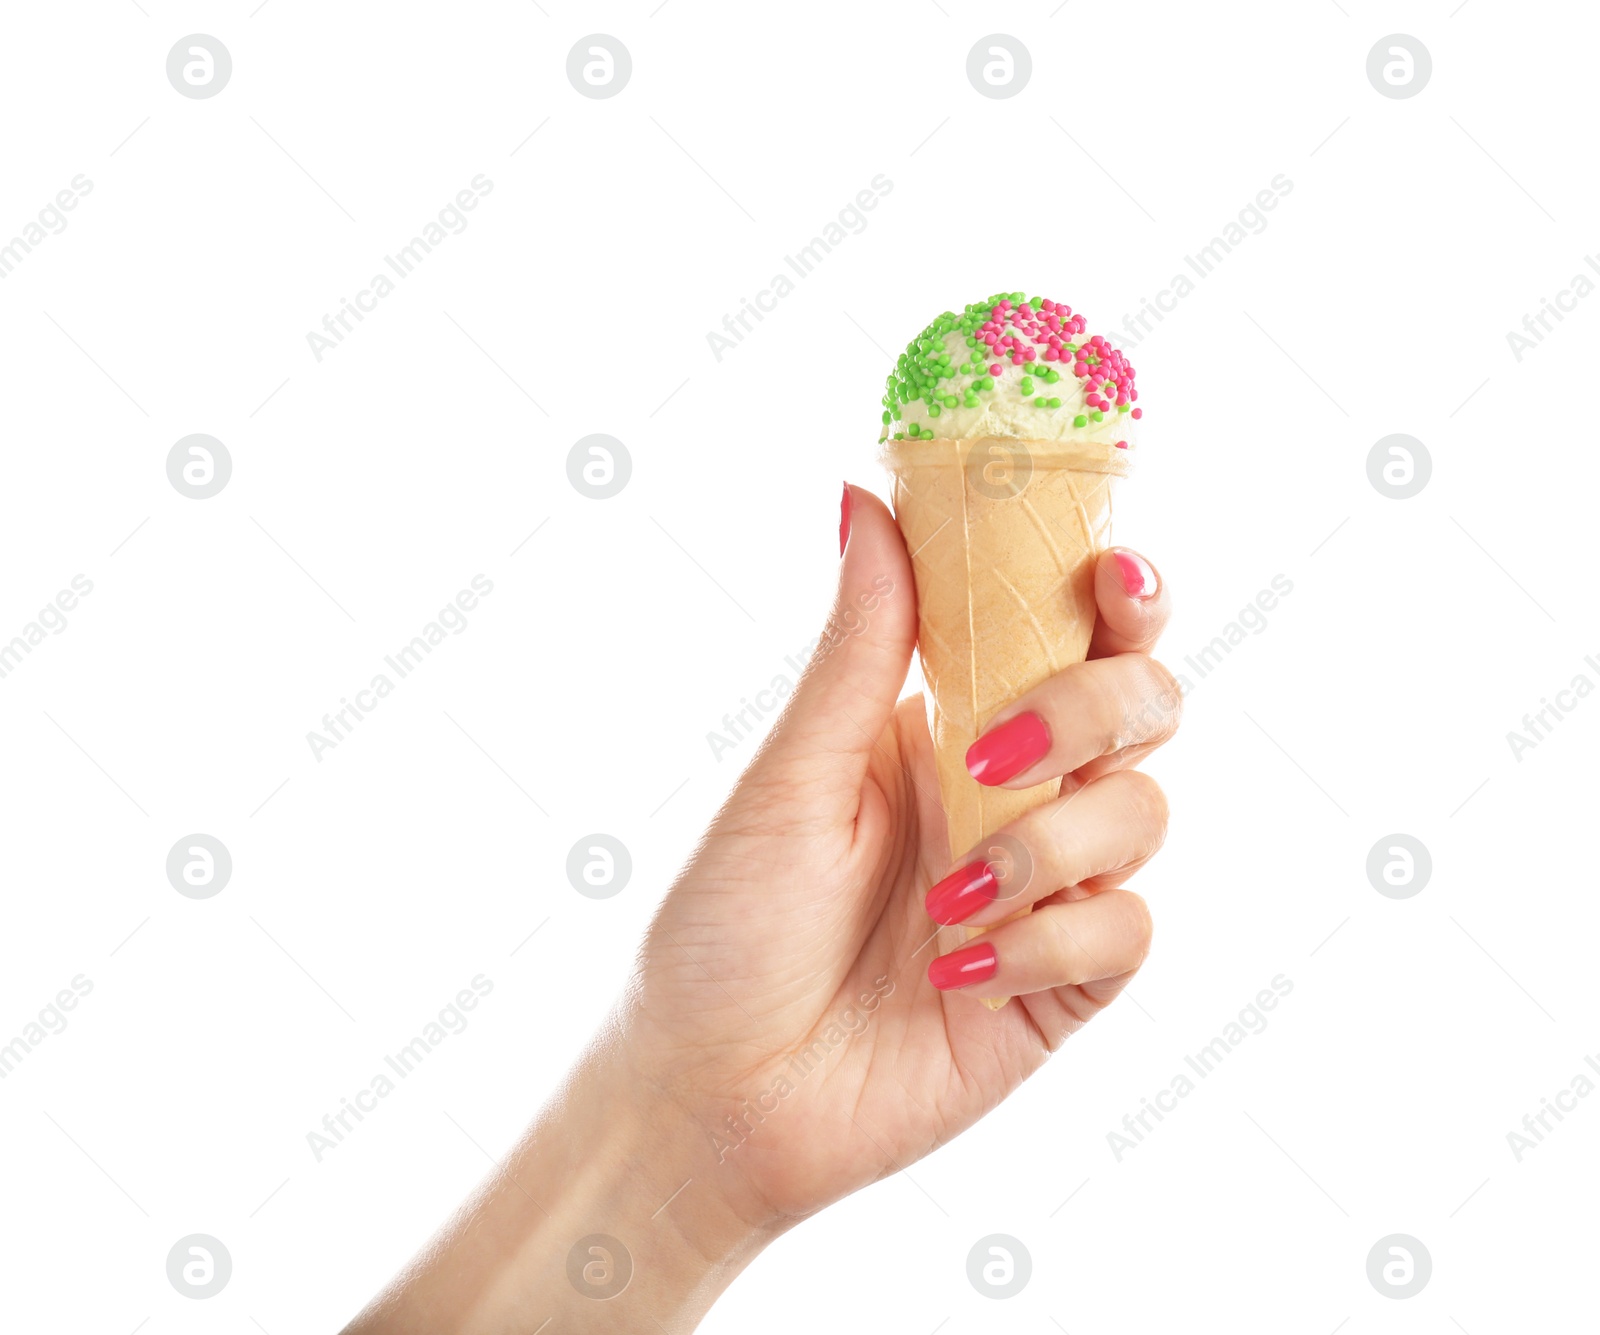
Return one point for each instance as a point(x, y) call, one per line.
point(782, 1043)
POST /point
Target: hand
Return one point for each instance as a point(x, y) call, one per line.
point(781, 1044)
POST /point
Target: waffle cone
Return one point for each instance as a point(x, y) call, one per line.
point(1003, 536)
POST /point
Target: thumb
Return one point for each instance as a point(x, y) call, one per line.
point(850, 687)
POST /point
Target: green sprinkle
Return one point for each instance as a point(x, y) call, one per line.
point(1027, 385)
point(1098, 415)
point(1080, 420)
point(1123, 407)
point(886, 417)
point(933, 410)
point(1052, 403)
point(950, 400)
point(1051, 375)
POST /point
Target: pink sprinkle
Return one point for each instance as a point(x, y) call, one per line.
point(1027, 354)
point(1050, 355)
point(1016, 359)
point(1136, 413)
point(995, 369)
point(1122, 444)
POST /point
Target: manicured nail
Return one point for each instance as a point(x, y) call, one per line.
point(844, 519)
point(1008, 750)
point(976, 963)
point(962, 893)
point(1138, 579)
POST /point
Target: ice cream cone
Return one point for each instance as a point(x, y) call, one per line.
point(1003, 535)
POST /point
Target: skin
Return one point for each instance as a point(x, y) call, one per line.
point(799, 920)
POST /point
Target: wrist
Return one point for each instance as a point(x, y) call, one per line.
point(608, 1215)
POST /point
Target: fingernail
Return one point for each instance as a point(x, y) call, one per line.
point(962, 968)
point(1008, 750)
point(962, 893)
point(1138, 579)
point(844, 519)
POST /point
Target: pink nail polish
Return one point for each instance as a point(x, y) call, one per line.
point(844, 519)
point(976, 963)
point(1138, 579)
point(1004, 752)
point(962, 893)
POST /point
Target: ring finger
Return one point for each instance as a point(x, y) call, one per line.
point(1101, 833)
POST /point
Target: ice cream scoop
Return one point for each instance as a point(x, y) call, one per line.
point(1013, 368)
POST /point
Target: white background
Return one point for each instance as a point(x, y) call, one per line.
point(367, 489)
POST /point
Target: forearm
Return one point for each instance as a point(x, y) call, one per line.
point(603, 1162)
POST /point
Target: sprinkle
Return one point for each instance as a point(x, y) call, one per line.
point(962, 355)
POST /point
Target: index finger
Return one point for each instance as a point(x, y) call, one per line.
point(1132, 600)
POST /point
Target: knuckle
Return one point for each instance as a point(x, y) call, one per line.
point(1140, 925)
point(1147, 809)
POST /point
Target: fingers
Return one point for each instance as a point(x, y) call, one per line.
point(849, 688)
point(1133, 604)
point(1087, 711)
point(1059, 945)
point(1097, 837)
